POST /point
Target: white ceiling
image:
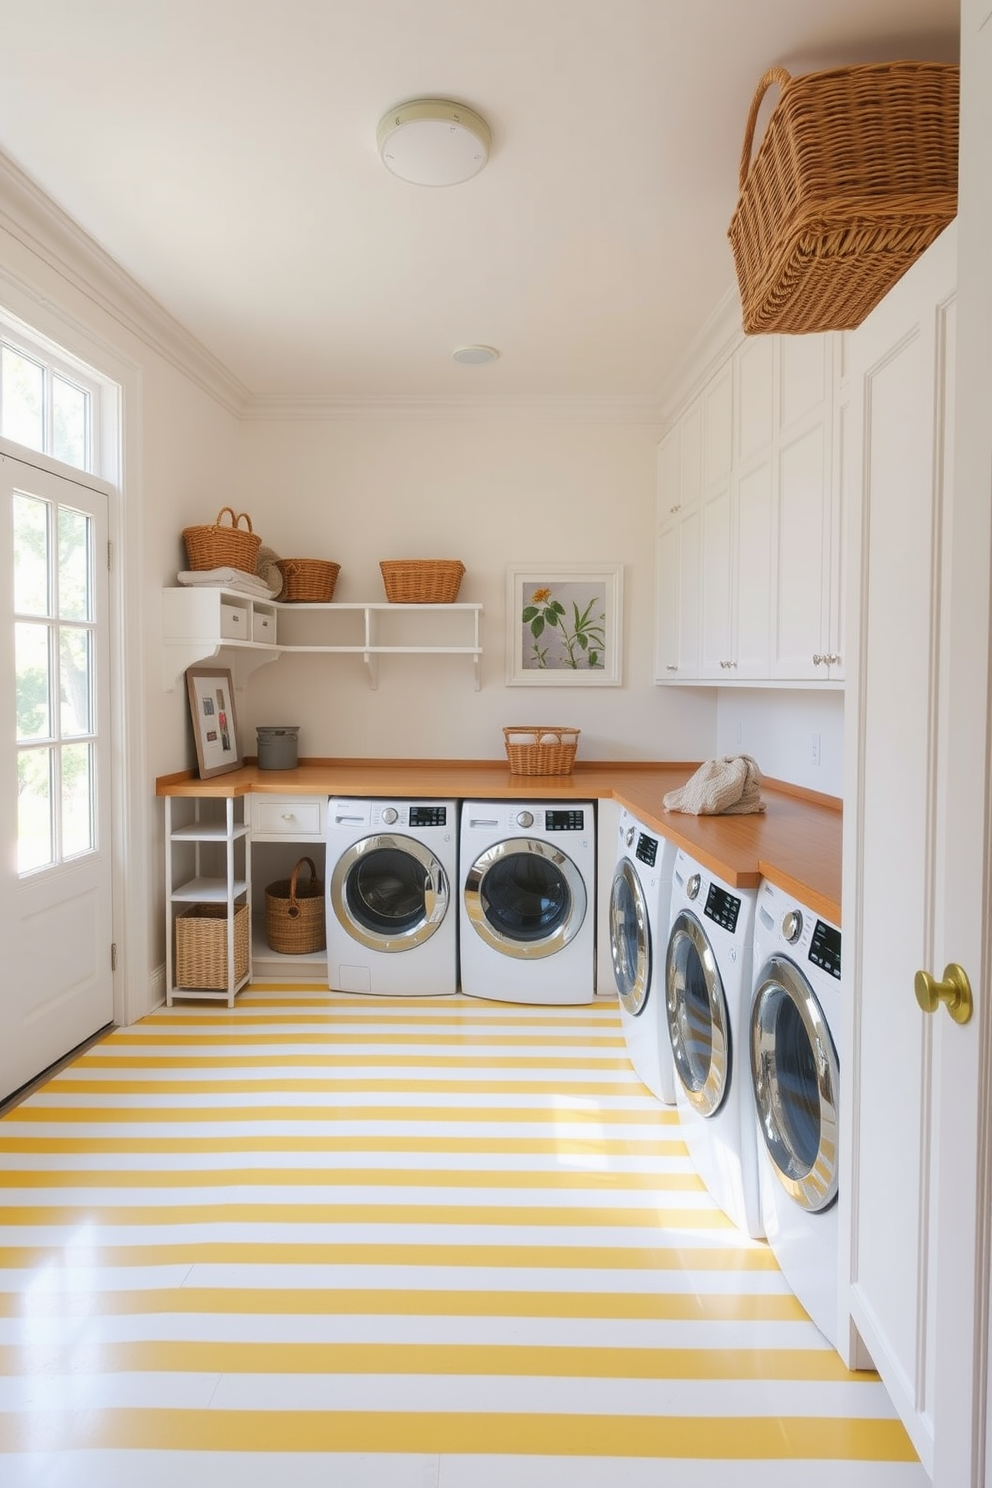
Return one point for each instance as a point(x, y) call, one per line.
point(223, 152)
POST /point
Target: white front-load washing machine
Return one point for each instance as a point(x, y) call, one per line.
point(527, 915)
point(707, 1001)
point(640, 899)
point(795, 1012)
point(392, 921)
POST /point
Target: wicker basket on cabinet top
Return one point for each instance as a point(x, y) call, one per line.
point(222, 546)
point(855, 176)
point(421, 580)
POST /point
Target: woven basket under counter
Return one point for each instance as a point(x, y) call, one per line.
point(421, 580)
point(855, 176)
point(295, 918)
point(543, 750)
point(201, 946)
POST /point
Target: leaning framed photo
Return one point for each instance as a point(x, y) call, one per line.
point(215, 725)
point(564, 624)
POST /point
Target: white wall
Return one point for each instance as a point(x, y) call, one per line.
point(489, 490)
point(778, 729)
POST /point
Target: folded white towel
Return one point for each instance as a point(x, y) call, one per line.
point(720, 787)
point(228, 578)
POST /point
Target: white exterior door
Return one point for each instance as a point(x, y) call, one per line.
point(56, 899)
point(917, 827)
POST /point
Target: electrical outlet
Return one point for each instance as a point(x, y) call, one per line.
point(816, 749)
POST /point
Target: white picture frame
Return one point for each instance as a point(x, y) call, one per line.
point(564, 625)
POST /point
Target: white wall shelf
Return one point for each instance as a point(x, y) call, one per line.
point(246, 633)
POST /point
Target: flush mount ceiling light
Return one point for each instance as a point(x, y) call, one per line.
point(433, 142)
point(474, 356)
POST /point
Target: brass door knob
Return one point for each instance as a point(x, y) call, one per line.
point(954, 991)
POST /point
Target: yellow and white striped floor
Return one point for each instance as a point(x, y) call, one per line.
point(341, 1242)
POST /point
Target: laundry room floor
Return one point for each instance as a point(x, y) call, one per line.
point(348, 1242)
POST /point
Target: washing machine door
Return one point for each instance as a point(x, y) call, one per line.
point(795, 1072)
point(630, 938)
point(698, 1017)
point(525, 898)
point(389, 892)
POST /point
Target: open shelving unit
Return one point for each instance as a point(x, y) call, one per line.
point(207, 862)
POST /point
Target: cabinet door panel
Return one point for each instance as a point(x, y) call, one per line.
point(805, 373)
point(716, 568)
point(666, 652)
point(718, 429)
point(756, 397)
point(753, 600)
point(799, 628)
point(689, 600)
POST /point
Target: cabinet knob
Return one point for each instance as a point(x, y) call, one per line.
point(674, 509)
point(818, 660)
point(288, 816)
point(954, 991)
point(671, 667)
point(833, 659)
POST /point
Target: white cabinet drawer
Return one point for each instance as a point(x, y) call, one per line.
point(292, 818)
point(234, 622)
point(263, 626)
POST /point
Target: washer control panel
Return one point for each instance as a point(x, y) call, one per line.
point(824, 950)
point(568, 820)
point(722, 908)
point(647, 849)
point(427, 816)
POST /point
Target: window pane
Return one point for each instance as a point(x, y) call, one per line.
point(23, 399)
point(30, 555)
point(34, 707)
point(34, 809)
point(70, 421)
point(77, 799)
point(74, 565)
point(75, 690)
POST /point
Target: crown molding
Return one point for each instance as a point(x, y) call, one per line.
point(709, 349)
point(632, 410)
point(33, 219)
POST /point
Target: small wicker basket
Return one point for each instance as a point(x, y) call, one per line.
point(295, 924)
point(421, 580)
point(540, 750)
point(856, 174)
point(307, 580)
point(220, 546)
point(201, 946)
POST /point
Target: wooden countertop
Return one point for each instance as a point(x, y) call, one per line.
point(796, 842)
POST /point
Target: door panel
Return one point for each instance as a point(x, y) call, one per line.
point(55, 807)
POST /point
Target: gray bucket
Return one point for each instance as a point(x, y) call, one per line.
point(277, 747)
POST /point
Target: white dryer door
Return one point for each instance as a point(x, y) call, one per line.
point(698, 1018)
point(389, 892)
point(630, 938)
point(525, 898)
point(795, 1072)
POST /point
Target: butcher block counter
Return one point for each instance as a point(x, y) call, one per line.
point(796, 842)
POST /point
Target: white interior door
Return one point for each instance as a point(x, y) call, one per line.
point(55, 797)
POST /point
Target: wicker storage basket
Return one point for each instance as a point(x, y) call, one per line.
point(307, 580)
point(294, 913)
point(220, 546)
point(855, 176)
point(201, 945)
point(421, 580)
point(540, 750)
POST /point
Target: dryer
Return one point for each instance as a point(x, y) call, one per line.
point(527, 903)
point(640, 900)
point(795, 1015)
point(392, 871)
point(707, 1001)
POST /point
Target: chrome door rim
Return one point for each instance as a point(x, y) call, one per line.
point(436, 893)
point(813, 1186)
point(473, 891)
point(632, 983)
point(709, 1096)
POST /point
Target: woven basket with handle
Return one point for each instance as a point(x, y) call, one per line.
point(307, 580)
point(294, 913)
point(223, 546)
point(540, 749)
point(855, 176)
point(421, 580)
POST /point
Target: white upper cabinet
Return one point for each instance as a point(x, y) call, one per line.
point(756, 573)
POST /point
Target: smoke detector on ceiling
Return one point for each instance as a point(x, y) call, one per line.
point(475, 356)
point(433, 142)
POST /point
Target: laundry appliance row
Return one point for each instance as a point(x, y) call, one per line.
point(492, 898)
point(730, 1007)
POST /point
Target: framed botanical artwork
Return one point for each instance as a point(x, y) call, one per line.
point(215, 726)
point(564, 624)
